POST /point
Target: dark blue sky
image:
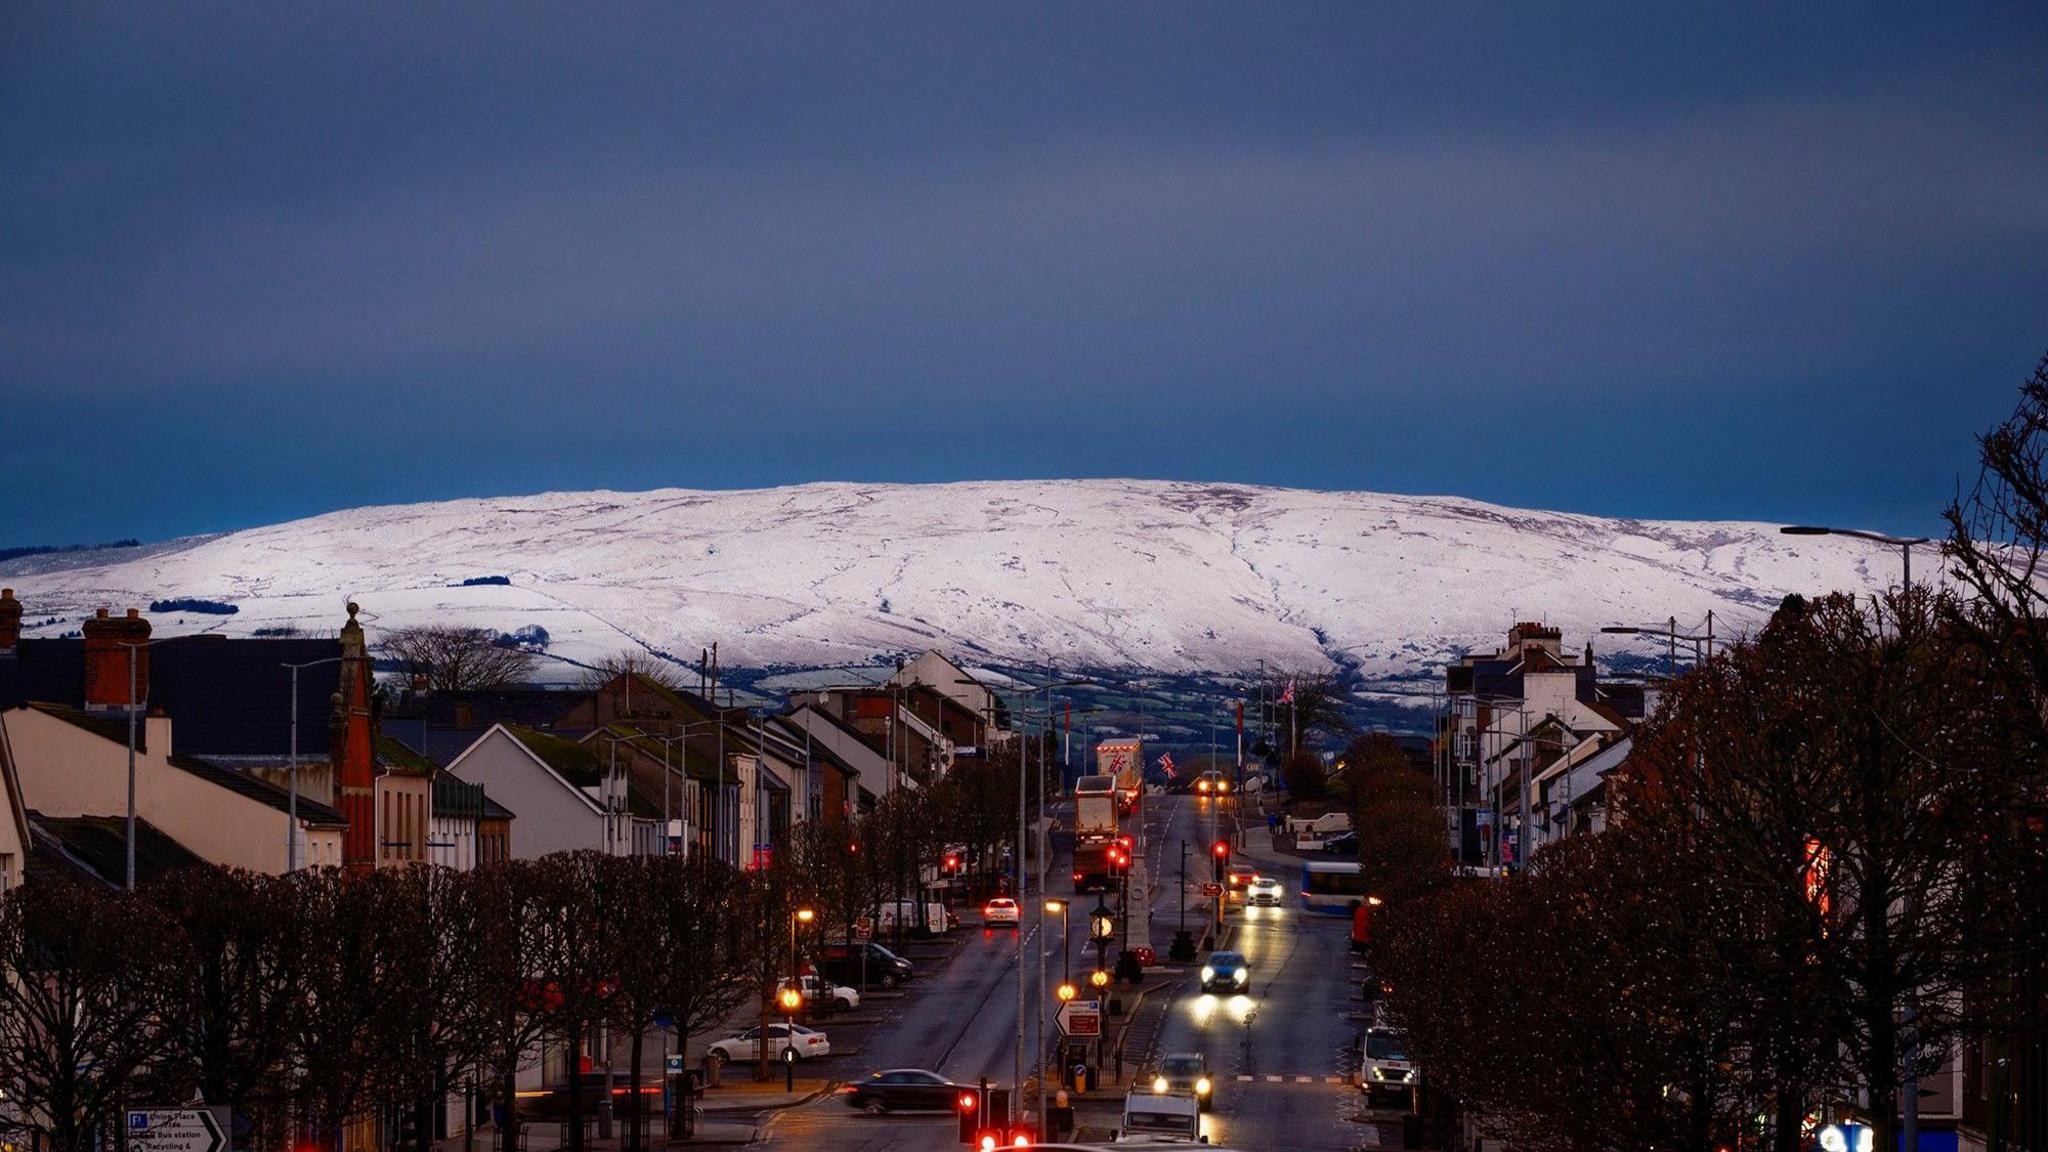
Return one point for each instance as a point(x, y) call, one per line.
point(1777, 263)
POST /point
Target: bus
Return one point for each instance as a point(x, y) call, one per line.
point(1332, 887)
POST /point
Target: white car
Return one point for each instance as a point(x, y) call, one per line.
point(1264, 890)
point(817, 991)
point(1001, 910)
point(743, 1046)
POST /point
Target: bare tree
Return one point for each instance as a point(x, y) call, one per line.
point(633, 661)
point(1836, 769)
point(90, 1004)
point(445, 658)
point(349, 990)
point(500, 939)
point(1317, 707)
point(243, 983)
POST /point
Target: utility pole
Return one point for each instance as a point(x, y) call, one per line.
point(131, 766)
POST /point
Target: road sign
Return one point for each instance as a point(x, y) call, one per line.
point(1078, 1018)
point(864, 928)
point(174, 1130)
point(1211, 888)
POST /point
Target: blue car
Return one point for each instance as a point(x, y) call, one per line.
point(1226, 972)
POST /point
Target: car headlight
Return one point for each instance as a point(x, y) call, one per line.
point(1202, 1086)
point(1240, 975)
point(1208, 973)
point(1159, 1085)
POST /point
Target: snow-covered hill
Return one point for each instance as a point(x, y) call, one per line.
point(1176, 577)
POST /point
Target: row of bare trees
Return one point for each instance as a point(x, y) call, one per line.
point(307, 1002)
point(1822, 873)
point(1825, 872)
point(310, 1001)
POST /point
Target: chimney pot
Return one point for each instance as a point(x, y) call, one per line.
point(111, 647)
point(134, 613)
point(10, 620)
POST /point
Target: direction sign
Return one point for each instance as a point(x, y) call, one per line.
point(174, 1130)
point(1080, 1018)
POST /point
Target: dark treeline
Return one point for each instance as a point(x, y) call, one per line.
point(307, 1002)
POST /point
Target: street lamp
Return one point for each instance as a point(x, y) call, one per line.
point(1063, 908)
point(1903, 543)
point(1669, 630)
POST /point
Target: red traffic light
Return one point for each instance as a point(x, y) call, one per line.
point(952, 863)
point(988, 1142)
point(969, 1102)
point(1222, 849)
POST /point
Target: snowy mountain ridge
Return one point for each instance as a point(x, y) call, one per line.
point(1168, 576)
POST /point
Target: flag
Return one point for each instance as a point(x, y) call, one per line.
point(1287, 697)
point(1166, 763)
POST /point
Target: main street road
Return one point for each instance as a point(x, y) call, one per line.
point(1280, 1053)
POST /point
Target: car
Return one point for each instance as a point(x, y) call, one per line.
point(1342, 844)
point(1160, 1118)
point(1236, 877)
point(823, 993)
point(901, 1090)
point(1212, 784)
point(864, 965)
point(743, 1046)
point(1000, 911)
point(1387, 1070)
point(1226, 972)
point(1264, 890)
point(1186, 1072)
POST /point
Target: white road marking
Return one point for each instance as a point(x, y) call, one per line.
point(1274, 1079)
point(1242, 1077)
point(1304, 1079)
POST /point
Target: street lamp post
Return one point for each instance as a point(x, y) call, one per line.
point(1059, 906)
point(291, 832)
point(1903, 543)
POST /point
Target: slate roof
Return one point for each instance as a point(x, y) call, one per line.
point(115, 730)
point(527, 707)
point(262, 791)
point(101, 724)
point(228, 697)
point(395, 755)
point(574, 762)
point(94, 849)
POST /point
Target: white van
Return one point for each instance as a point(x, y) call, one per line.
point(936, 919)
point(1161, 1118)
point(1309, 833)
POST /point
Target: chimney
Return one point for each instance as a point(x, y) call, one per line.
point(110, 643)
point(10, 622)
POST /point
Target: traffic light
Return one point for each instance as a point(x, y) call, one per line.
point(952, 862)
point(1219, 855)
point(967, 1106)
point(982, 1111)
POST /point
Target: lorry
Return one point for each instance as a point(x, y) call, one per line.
point(1093, 871)
point(1123, 761)
point(900, 918)
point(1095, 808)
